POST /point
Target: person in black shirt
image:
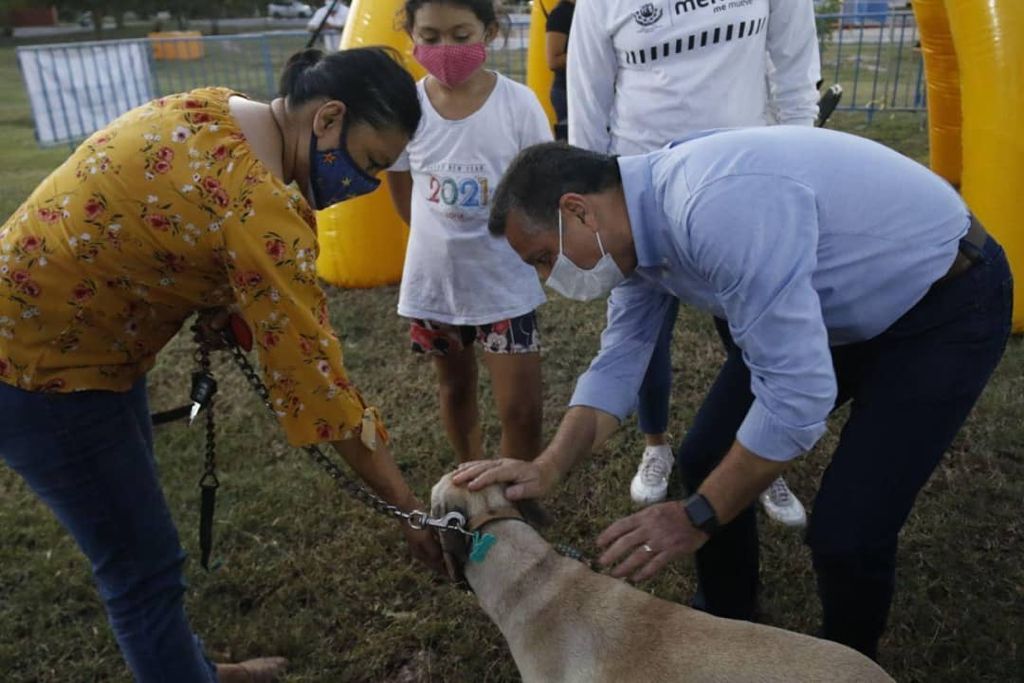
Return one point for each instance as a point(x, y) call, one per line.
point(557, 41)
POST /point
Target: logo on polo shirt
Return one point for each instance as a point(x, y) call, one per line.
point(647, 15)
point(684, 6)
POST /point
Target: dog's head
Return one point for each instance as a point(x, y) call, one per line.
point(446, 497)
point(479, 508)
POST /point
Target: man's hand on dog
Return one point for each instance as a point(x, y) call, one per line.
point(525, 479)
point(648, 540)
point(664, 529)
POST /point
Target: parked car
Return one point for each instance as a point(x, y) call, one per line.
point(289, 10)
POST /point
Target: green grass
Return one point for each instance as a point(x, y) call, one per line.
point(876, 75)
point(24, 164)
point(310, 574)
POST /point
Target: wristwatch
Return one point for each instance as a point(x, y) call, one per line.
point(701, 514)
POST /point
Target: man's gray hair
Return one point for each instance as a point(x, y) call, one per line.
point(538, 178)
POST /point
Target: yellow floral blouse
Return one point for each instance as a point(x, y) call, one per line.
point(166, 212)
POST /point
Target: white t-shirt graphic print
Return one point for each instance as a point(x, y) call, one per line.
point(642, 73)
point(455, 271)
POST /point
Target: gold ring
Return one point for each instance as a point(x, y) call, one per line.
point(647, 548)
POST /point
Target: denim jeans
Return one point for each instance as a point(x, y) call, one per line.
point(656, 390)
point(560, 103)
point(89, 456)
point(911, 389)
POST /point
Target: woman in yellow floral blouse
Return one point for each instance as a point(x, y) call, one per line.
point(185, 205)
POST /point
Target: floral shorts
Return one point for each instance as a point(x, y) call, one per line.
point(515, 335)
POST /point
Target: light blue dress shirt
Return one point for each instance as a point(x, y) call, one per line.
point(800, 238)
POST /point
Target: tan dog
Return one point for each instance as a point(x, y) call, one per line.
point(565, 623)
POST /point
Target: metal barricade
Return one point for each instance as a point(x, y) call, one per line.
point(249, 63)
point(876, 57)
point(77, 88)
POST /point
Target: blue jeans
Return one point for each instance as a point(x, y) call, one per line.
point(656, 389)
point(560, 103)
point(89, 456)
point(910, 389)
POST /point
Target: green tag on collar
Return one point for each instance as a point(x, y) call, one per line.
point(481, 546)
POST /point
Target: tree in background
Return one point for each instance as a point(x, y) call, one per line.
point(7, 11)
point(5, 16)
point(183, 11)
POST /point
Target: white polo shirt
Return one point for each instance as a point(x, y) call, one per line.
point(641, 73)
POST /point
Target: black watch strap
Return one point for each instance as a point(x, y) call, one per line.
point(701, 514)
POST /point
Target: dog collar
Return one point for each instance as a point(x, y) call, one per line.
point(471, 544)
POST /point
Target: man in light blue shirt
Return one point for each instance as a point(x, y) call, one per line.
point(839, 269)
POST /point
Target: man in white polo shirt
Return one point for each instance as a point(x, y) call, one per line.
point(642, 73)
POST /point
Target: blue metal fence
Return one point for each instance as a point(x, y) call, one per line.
point(873, 55)
point(876, 57)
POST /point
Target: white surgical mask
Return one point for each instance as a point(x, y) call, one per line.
point(580, 284)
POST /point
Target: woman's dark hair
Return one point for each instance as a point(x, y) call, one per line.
point(484, 10)
point(371, 81)
point(538, 177)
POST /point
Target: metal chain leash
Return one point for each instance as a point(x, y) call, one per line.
point(416, 519)
point(202, 357)
point(204, 387)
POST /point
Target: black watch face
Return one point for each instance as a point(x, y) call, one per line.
point(701, 514)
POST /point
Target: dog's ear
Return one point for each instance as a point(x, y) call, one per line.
point(437, 499)
point(534, 514)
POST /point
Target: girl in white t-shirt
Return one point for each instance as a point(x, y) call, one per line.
point(462, 287)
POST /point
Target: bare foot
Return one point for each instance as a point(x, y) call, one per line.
point(260, 670)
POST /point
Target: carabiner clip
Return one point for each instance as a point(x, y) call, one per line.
point(452, 521)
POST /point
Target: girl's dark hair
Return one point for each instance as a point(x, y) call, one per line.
point(371, 81)
point(484, 10)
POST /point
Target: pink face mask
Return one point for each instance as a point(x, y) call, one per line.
point(451, 64)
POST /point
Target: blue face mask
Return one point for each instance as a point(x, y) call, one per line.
point(335, 177)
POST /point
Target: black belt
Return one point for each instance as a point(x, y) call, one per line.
point(969, 252)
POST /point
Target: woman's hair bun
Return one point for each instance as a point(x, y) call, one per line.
point(371, 81)
point(296, 65)
point(304, 58)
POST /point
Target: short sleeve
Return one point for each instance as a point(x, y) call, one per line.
point(401, 163)
point(534, 127)
point(559, 20)
point(269, 253)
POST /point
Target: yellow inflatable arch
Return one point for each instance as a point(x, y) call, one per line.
point(974, 65)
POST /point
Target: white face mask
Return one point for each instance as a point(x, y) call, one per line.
point(574, 282)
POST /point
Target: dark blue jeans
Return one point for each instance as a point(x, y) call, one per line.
point(560, 103)
point(656, 391)
point(910, 388)
point(89, 457)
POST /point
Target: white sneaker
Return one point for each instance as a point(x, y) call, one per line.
point(781, 505)
point(650, 483)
